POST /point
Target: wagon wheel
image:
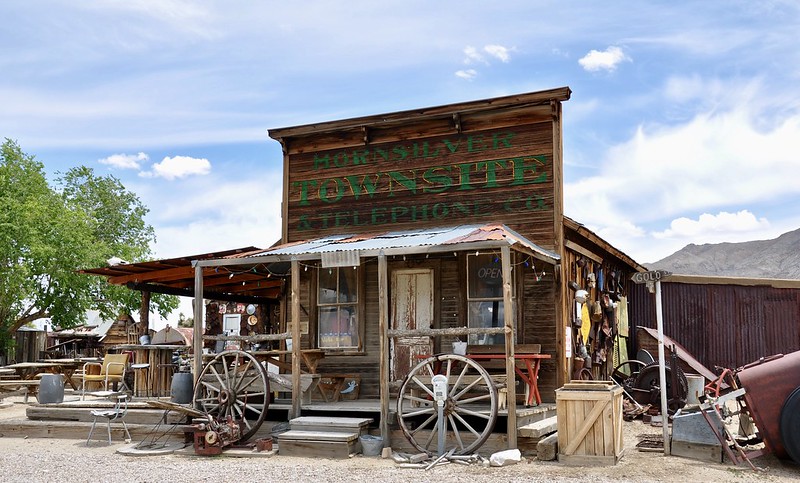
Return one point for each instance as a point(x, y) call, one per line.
point(467, 422)
point(234, 384)
point(632, 367)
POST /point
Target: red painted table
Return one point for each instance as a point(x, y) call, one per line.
point(531, 378)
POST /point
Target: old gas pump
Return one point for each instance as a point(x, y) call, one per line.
point(440, 396)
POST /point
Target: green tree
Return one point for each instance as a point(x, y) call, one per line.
point(47, 235)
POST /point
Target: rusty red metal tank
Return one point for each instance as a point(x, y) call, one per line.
point(767, 384)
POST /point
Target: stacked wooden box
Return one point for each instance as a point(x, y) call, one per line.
point(589, 423)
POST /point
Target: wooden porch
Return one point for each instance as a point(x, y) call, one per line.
point(72, 418)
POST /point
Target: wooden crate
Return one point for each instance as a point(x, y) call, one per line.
point(589, 423)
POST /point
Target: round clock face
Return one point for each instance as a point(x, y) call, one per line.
point(251, 309)
point(252, 320)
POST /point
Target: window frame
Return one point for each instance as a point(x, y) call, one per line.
point(476, 299)
point(357, 306)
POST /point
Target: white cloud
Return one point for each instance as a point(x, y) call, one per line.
point(706, 225)
point(125, 161)
point(472, 55)
point(178, 167)
point(498, 52)
point(607, 60)
point(467, 74)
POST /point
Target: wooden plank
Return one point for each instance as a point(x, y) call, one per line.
point(316, 449)
point(303, 435)
point(547, 448)
point(324, 423)
point(508, 319)
point(585, 426)
point(383, 327)
point(296, 339)
point(497, 349)
point(539, 428)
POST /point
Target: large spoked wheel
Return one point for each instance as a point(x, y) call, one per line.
point(470, 410)
point(234, 384)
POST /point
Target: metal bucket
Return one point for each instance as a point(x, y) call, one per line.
point(696, 388)
point(51, 389)
point(371, 445)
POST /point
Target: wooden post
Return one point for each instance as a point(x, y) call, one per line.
point(296, 391)
point(144, 313)
point(383, 322)
point(508, 319)
point(197, 340)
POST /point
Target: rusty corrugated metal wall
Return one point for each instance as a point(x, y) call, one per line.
point(723, 325)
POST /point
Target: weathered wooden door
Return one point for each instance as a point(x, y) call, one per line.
point(412, 308)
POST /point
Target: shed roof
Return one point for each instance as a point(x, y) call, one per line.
point(175, 276)
point(428, 240)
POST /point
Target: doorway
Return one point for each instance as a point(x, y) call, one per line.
point(412, 308)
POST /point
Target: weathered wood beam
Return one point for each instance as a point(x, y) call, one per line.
point(508, 319)
point(448, 331)
point(213, 295)
point(383, 323)
point(296, 393)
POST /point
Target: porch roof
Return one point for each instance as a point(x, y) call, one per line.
point(335, 249)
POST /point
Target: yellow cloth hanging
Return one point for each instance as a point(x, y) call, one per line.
point(622, 317)
point(586, 323)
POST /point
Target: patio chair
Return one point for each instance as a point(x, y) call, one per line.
point(112, 370)
point(116, 414)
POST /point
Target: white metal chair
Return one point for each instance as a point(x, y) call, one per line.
point(116, 414)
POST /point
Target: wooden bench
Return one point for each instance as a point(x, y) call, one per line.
point(12, 387)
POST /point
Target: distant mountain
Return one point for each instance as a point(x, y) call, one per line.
point(778, 258)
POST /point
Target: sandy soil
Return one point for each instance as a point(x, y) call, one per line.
point(34, 460)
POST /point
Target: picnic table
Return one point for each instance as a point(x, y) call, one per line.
point(28, 371)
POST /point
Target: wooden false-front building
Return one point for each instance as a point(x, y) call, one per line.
point(409, 231)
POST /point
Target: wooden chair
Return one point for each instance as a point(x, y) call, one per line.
point(112, 370)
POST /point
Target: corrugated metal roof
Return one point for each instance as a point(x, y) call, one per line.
point(410, 239)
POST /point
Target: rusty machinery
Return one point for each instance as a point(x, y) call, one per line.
point(211, 435)
point(771, 396)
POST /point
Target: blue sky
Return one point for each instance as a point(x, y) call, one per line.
point(683, 127)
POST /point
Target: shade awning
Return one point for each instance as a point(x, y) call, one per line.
point(344, 250)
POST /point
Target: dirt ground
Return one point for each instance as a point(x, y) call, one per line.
point(31, 460)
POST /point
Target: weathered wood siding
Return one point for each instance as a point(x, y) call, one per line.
point(502, 175)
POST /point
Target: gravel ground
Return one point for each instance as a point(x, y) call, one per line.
point(38, 460)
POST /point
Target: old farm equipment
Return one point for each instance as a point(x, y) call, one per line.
point(772, 395)
point(641, 383)
point(442, 405)
point(233, 389)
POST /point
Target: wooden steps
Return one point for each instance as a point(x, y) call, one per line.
point(539, 428)
point(323, 437)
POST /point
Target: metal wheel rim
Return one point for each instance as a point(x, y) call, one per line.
point(633, 365)
point(234, 384)
point(648, 377)
point(469, 428)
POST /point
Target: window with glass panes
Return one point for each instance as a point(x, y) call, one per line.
point(485, 296)
point(337, 303)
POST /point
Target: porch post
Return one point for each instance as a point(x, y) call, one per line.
point(383, 318)
point(197, 330)
point(295, 339)
point(144, 312)
point(508, 319)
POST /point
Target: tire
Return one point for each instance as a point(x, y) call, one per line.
point(790, 425)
